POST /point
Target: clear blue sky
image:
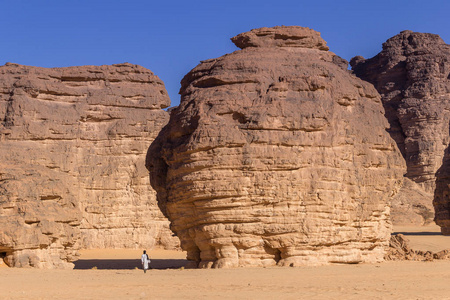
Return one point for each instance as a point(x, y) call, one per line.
point(171, 37)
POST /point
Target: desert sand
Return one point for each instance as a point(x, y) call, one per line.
point(111, 274)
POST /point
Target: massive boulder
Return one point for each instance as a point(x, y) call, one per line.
point(72, 151)
point(277, 155)
point(412, 75)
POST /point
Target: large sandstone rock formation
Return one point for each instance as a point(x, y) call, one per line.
point(277, 155)
point(412, 75)
point(72, 151)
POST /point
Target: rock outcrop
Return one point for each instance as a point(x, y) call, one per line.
point(412, 75)
point(277, 155)
point(281, 36)
point(399, 249)
point(72, 150)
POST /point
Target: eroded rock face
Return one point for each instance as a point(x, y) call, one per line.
point(281, 36)
point(72, 151)
point(277, 155)
point(39, 216)
point(412, 205)
point(412, 75)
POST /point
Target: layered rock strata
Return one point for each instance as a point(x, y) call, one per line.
point(277, 155)
point(412, 75)
point(72, 151)
point(39, 215)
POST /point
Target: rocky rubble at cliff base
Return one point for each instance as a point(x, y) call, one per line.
point(399, 249)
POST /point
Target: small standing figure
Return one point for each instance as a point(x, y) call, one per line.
point(145, 261)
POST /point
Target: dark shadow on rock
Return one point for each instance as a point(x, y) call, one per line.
point(441, 201)
point(417, 233)
point(128, 264)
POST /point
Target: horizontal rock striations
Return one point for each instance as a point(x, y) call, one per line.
point(412, 75)
point(72, 150)
point(277, 155)
point(39, 215)
point(281, 36)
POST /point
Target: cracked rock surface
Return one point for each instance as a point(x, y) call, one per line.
point(277, 155)
point(72, 150)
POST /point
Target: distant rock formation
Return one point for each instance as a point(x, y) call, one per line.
point(412, 205)
point(412, 75)
point(277, 155)
point(72, 151)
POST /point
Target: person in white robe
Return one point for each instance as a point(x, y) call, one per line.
point(145, 261)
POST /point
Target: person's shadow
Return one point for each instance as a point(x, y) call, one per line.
point(424, 233)
point(128, 264)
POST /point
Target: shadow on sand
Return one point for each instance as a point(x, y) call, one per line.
point(128, 264)
point(418, 233)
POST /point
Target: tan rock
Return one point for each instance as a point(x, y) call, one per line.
point(281, 36)
point(72, 150)
point(277, 155)
point(412, 205)
point(412, 75)
point(399, 249)
point(39, 216)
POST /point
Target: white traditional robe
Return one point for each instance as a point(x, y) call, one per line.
point(145, 261)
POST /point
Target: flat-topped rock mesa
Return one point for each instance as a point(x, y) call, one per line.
point(412, 75)
point(277, 155)
point(72, 151)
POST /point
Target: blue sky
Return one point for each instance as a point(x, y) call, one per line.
point(171, 37)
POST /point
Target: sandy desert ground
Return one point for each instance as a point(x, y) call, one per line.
point(111, 274)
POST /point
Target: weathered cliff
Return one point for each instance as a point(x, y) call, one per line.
point(277, 155)
point(72, 151)
point(412, 75)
